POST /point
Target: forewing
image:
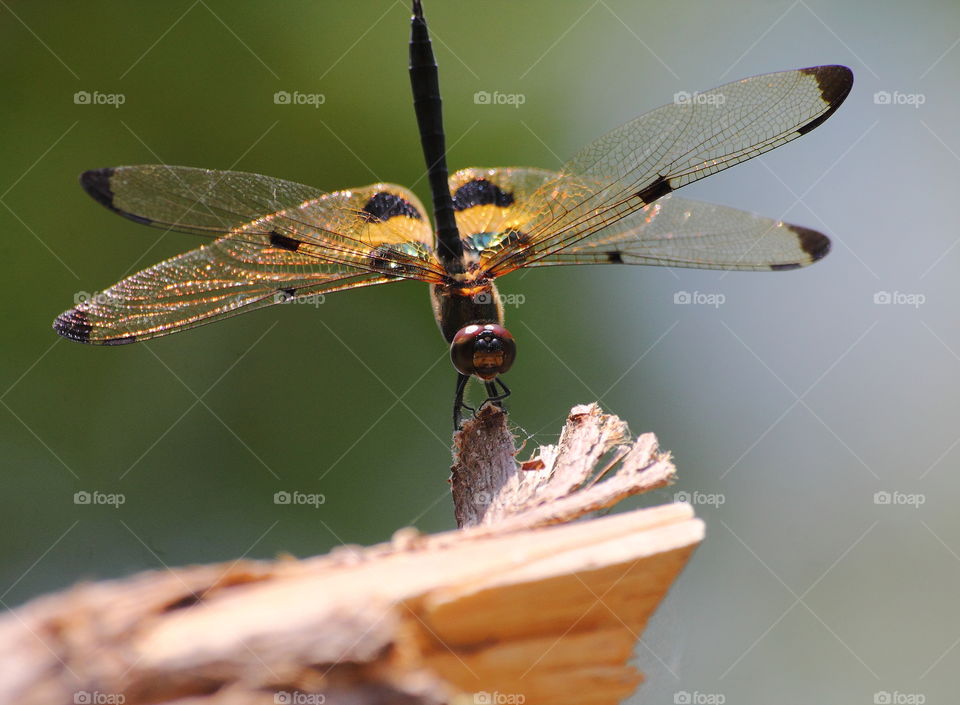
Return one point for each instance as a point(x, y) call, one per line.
point(676, 232)
point(309, 243)
point(672, 146)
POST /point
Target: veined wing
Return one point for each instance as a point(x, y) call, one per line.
point(674, 145)
point(494, 200)
point(321, 243)
point(340, 227)
point(209, 283)
point(677, 232)
point(672, 231)
point(489, 206)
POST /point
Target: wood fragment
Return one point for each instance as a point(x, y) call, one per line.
point(558, 483)
point(521, 603)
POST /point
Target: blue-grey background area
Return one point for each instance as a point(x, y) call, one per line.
point(787, 407)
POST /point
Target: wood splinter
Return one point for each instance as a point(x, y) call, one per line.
point(519, 605)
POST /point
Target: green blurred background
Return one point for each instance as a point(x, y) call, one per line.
point(787, 408)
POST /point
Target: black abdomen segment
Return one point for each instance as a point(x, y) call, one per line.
point(425, 82)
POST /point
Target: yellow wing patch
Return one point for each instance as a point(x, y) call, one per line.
point(492, 200)
point(388, 214)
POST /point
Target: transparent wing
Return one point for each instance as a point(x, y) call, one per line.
point(203, 285)
point(677, 232)
point(674, 145)
point(319, 244)
point(340, 227)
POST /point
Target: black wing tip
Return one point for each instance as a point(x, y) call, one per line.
point(73, 325)
point(835, 82)
point(96, 182)
point(812, 242)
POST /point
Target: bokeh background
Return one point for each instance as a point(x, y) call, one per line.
point(788, 407)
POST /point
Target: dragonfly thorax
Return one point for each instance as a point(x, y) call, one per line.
point(458, 304)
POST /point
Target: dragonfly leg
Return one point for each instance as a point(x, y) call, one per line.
point(493, 396)
point(458, 403)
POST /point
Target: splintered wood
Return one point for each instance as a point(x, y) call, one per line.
point(519, 607)
point(559, 483)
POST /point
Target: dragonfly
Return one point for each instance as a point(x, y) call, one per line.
point(274, 241)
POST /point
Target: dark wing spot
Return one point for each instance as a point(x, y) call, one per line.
point(283, 242)
point(73, 325)
point(660, 187)
point(835, 83)
point(815, 244)
point(121, 341)
point(480, 192)
point(384, 206)
point(96, 182)
point(286, 294)
point(784, 267)
point(614, 257)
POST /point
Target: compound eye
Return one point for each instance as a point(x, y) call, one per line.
point(483, 350)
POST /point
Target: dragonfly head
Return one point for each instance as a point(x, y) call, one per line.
point(484, 350)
